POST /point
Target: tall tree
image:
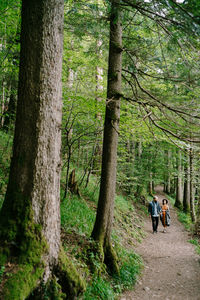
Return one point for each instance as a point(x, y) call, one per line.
point(30, 216)
point(192, 189)
point(179, 194)
point(104, 218)
point(186, 194)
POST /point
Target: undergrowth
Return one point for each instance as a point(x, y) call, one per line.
point(77, 219)
point(185, 219)
point(5, 153)
point(195, 242)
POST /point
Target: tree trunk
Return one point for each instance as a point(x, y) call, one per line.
point(192, 196)
point(30, 216)
point(186, 194)
point(178, 202)
point(168, 186)
point(10, 113)
point(197, 224)
point(104, 218)
point(151, 184)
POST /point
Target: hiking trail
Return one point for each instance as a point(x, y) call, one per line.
point(171, 266)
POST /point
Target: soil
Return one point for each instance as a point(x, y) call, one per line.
point(171, 266)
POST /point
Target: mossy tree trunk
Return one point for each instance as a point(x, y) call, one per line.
point(30, 215)
point(104, 218)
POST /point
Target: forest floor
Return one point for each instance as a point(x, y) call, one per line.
point(171, 266)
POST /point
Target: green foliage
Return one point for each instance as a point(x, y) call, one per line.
point(131, 265)
point(185, 219)
point(196, 242)
point(105, 288)
point(99, 289)
point(5, 153)
point(2, 270)
point(76, 215)
point(51, 290)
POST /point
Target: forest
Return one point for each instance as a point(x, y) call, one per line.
point(99, 112)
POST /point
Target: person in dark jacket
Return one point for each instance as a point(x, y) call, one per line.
point(154, 210)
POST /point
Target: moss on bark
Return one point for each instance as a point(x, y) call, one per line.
point(23, 282)
point(111, 259)
point(71, 282)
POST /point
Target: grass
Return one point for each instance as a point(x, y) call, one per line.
point(185, 219)
point(99, 289)
point(76, 215)
point(197, 244)
point(130, 268)
point(171, 199)
point(77, 220)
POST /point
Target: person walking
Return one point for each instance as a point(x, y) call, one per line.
point(165, 216)
point(154, 210)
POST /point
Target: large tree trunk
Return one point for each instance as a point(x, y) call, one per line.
point(30, 216)
point(104, 218)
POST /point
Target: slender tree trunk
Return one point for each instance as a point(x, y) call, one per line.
point(151, 184)
point(186, 194)
point(168, 187)
point(67, 173)
point(104, 218)
point(197, 224)
point(30, 216)
point(10, 113)
point(178, 202)
point(192, 196)
point(2, 102)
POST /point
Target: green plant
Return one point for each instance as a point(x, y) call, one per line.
point(99, 289)
point(197, 244)
point(129, 271)
point(2, 270)
point(185, 219)
point(76, 215)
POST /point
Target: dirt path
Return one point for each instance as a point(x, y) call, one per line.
point(172, 268)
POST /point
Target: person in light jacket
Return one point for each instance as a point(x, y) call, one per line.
point(154, 210)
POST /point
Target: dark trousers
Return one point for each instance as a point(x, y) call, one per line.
point(155, 221)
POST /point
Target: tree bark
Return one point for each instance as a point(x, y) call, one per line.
point(186, 194)
point(192, 196)
point(10, 113)
point(178, 202)
point(104, 218)
point(30, 216)
point(168, 186)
